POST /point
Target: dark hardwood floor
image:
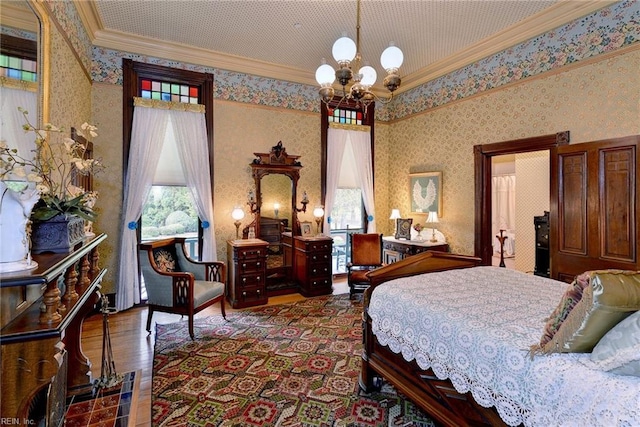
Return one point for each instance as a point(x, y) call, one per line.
point(133, 346)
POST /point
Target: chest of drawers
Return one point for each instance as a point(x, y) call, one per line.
point(394, 250)
point(247, 263)
point(313, 265)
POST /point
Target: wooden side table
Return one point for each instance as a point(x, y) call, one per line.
point(313, 265)
point(394, 250)
point(247, 264)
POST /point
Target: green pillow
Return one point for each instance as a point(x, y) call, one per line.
point(619, 350)
point(577, 326)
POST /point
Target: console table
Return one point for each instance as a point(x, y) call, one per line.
point(394, 250)
point(42, 314)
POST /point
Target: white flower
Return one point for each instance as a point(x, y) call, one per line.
point(34, 177)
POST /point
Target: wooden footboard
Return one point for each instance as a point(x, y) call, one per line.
point(438, 398)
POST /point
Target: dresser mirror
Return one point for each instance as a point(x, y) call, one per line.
point(24, 37)
point(276, 177)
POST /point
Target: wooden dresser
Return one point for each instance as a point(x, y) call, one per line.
point(42, 314)
point(246, 277)
point(313, 265)
point(394, 250)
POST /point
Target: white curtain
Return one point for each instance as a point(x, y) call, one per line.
point(149, 127)
point(361, 145)
point(503, 209)
point(11, 120)
point(360, 140)
point(191, 138)
point(147, 136)
point(336, 142)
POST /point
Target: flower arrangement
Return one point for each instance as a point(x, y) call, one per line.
point(55, 163)
point(418, 227)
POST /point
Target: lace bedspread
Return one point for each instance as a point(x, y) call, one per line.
point(474, 326)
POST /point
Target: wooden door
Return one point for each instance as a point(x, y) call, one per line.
point(594, 207)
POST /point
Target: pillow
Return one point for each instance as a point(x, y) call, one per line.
point(594, 303)
point(619, 350)
point(166, 260)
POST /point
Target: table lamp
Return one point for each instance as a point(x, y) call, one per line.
point(318, 212)
point(433, 219)
point(237, 213)
point(395, 214)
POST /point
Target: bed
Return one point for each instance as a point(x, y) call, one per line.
point(428, 332)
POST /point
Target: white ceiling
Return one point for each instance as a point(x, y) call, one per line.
point(287, 39)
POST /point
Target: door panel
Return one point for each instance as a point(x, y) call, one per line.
point(594, 207)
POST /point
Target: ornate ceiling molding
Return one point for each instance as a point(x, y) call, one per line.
point(551, 18)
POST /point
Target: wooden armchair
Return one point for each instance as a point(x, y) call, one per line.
point(366, 255)
point(177, 284)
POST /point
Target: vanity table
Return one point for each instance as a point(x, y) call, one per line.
point(394, 250)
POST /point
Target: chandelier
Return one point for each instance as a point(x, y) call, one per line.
point(347, 55)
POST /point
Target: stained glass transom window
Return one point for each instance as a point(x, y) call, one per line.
point(18, 68)
point(152, 89)
point(348, 117)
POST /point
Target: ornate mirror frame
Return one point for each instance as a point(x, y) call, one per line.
point(277, 161)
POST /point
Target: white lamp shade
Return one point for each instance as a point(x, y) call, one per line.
point(391, 58)
point(276, 206)
point(395, 214)
point(325, 75)
point(318, 212)
point(237, 213)
point(369, 75)
point(433, 217)
point(344, 50)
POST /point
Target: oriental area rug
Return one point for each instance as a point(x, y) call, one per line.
point(285, 365)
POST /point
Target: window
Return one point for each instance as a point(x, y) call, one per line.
point(18, 58)
point(168, 210)
point(348, 213)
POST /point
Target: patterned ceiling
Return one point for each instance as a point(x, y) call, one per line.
point(287, 39)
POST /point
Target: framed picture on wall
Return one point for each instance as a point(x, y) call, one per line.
point(306, 229)
point(425, 192)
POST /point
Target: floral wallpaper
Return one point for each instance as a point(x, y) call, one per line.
point(430, 128)
point(604, 31)
point(66, 15)
point(596, 101)
point(609, 29)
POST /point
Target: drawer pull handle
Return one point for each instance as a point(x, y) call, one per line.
point(244, 265)
point(244, 280)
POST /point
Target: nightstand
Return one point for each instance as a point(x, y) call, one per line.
point(247, 264)
point(313, 265)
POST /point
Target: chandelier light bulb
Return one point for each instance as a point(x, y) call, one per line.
point(344, 50)
point(369, 75)
point(325, 74)
point(391, 59)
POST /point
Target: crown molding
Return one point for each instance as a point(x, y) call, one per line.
point(547, 20)
point(89, 16)
point(193, 55)
point(540, 23)
point(22, 18)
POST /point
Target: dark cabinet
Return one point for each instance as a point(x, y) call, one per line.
point(313, 265)
point(394, 250)
point(247, 263)
point(541, 224)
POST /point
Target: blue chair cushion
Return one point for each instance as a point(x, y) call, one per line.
point(204, 291)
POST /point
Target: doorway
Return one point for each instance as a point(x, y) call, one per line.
point(483, 156)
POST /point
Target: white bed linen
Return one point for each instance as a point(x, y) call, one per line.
point(474, 326)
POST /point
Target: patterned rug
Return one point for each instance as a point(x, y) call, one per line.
point(287, 365)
